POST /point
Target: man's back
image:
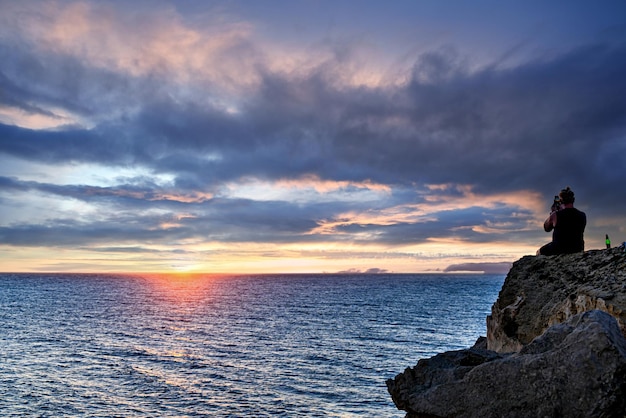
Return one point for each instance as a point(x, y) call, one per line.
point(569, 230)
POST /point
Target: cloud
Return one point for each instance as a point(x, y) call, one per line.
point(469, 125)
point(265, 145)
point(373, 270)
point(486, 268)
point(138, 42)
point(147, 192)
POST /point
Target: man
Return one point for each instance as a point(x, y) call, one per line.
point(568, 226)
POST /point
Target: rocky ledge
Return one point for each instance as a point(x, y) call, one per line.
point(555, 347)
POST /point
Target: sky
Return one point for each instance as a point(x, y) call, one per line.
point(305, 136)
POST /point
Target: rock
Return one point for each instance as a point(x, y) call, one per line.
point(555, 347)
point(545, 290)
point(575, 369)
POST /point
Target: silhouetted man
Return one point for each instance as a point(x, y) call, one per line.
point(567, 225)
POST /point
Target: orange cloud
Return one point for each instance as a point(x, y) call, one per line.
point(222, 51)
point(427, 212)
point(193, 197)
point(466, 198)
point(325, 186)
point(138, 43)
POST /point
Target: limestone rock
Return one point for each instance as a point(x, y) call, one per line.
point(575, 369)
point(555, 347)
point(545, 290)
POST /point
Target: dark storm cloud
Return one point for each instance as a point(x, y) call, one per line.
point(75, 145)
point(136, 196)
point(501, 128)
point(67, 233)
point(259, 224)
point(123, 215)
point(35, 81)
point(460, 224)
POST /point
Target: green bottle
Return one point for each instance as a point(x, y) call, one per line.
point(608, 241)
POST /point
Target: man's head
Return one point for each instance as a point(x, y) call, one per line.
point(566, 196)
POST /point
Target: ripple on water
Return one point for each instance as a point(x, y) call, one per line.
point(94, 345)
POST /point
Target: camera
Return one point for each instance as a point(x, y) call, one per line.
point(556, 204)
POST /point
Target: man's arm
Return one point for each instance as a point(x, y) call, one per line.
point(550, 223)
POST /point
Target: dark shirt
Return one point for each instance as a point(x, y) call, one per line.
point(569, 230)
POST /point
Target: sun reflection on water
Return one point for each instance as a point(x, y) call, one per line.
point(181, 288)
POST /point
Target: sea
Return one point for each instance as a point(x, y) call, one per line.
point(101, 345)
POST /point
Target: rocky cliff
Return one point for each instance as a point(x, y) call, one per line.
point(542, 291)
point(555, 347)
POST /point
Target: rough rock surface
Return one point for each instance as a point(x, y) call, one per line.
point(545, 290)
point(555, 347)
point(575, 369)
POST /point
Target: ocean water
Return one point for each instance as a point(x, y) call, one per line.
point(238, 346)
